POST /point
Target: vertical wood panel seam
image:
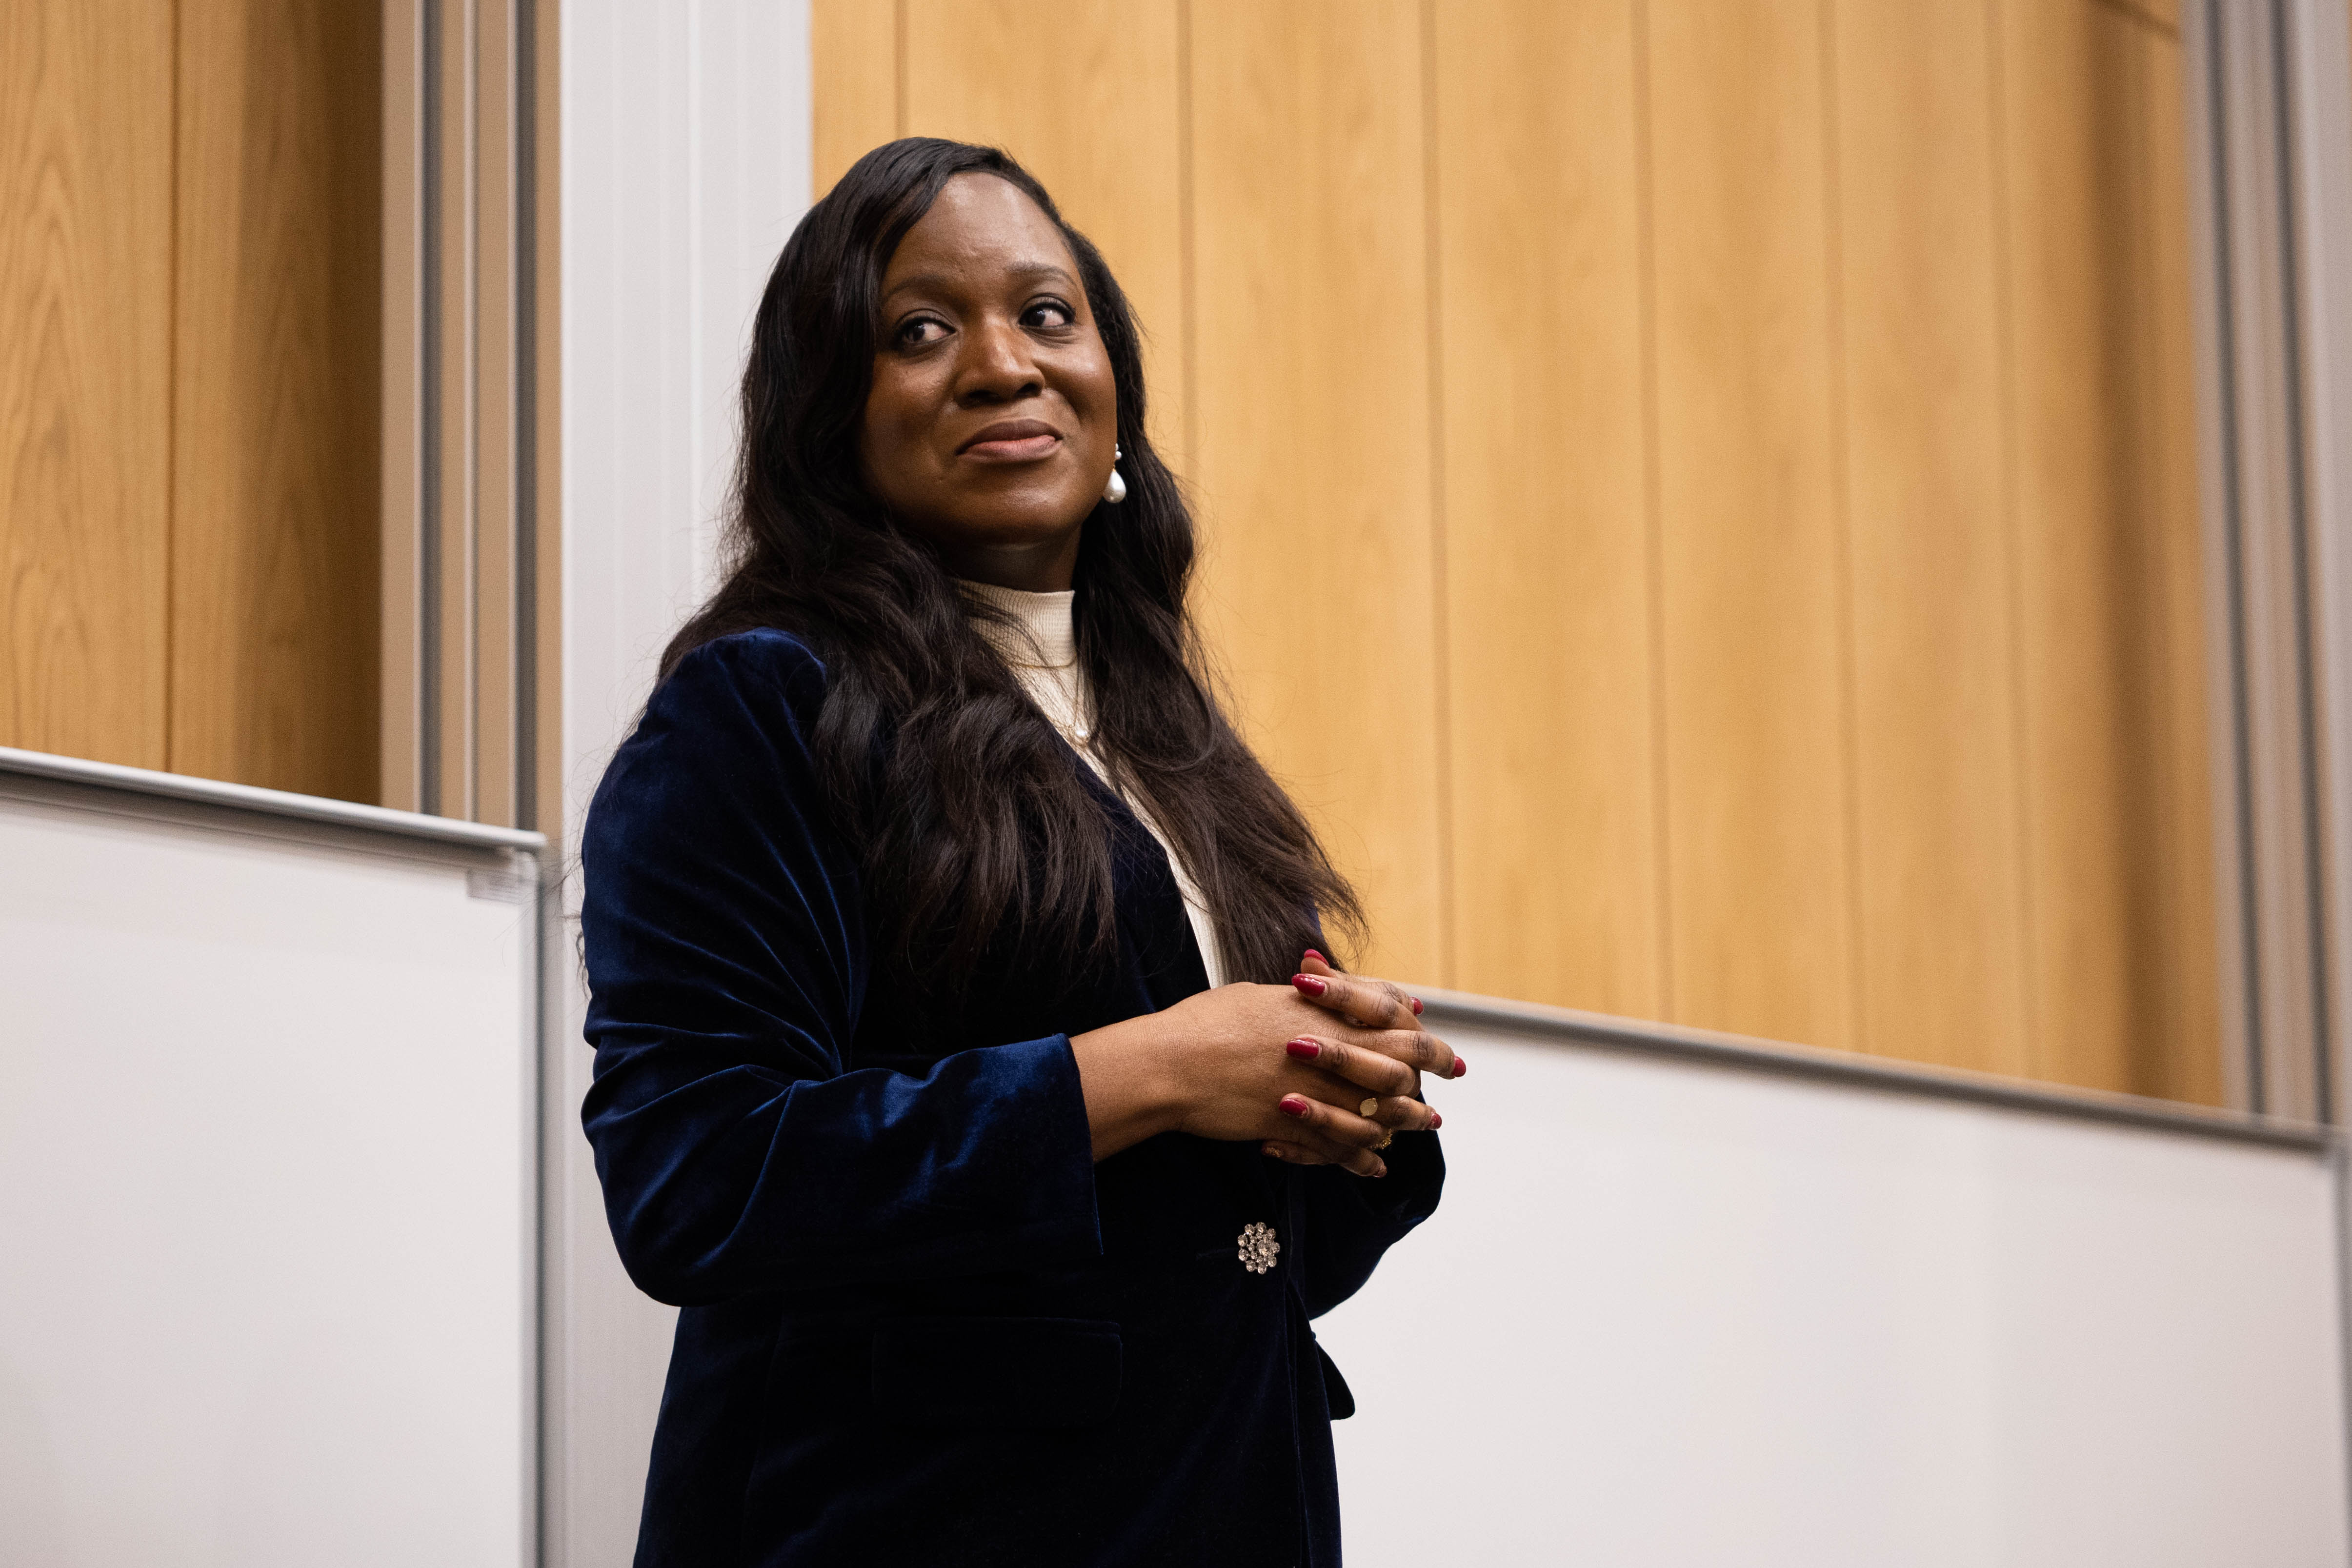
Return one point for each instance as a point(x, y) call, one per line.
point(483, 158)
point(1644, 180)
point(899, 68)
point(547, 422)
point(522, 417)
point(1186, 282)
point(2163, 1075)
point(2013, 549)
point(171, 411)
point(2149, 1056)
point(475, 294)
point(430, 397)
point(503, 429)
point(400, 431)
point(2130, 12)
point(470, 387)
point(1440, 688)
point(2228, 448)
point(1841, 522)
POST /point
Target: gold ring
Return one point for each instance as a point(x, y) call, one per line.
point(1386, 1138)
point(1369, 1106)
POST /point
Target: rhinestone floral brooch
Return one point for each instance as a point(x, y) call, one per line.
point(1258, 1246)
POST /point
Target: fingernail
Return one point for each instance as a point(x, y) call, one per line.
point(1460, 1066)
point(1317, 957)
point(1435, 1121)
point(1309, 985)
point(1292, 1106)
point(1304, 1048)
point(1416, 1003)
point(1382, 1172)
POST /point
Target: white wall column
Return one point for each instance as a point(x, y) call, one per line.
point(684, 164)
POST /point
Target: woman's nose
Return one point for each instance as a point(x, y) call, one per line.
point(997, 364)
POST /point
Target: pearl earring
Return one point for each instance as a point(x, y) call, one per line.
point(1115, 492)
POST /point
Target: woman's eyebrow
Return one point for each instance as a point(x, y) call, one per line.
point(942, 283)
point(1029, 271)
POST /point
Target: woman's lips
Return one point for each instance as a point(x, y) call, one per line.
point(1012, 448)
point(1014, 441)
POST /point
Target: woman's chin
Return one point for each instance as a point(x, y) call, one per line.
point(1009, 524)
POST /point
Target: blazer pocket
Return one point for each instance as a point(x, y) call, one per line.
point(1338, 1397)
point(1014, 1373)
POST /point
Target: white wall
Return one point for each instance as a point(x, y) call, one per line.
point(1672, 1314)
point(684, 164)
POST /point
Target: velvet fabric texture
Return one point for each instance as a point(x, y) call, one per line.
point(921, 1324)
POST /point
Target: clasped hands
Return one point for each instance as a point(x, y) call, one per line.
point(1325, 1071)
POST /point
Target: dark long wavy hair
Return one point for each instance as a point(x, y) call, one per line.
point(976, 827)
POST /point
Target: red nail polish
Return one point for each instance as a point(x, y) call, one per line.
point(1317, 958)
point(1460, 1066)
point(1304, 1048)
point(1416, 1005)
point(1435, 1121)
point(1292, 1106)
point(1309, 985)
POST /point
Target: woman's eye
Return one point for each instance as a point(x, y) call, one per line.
point(920, 331)
point(1047, 313)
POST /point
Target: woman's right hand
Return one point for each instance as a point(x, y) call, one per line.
point(1218, 1065)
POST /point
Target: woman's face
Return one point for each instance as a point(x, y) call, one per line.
point(990, 428)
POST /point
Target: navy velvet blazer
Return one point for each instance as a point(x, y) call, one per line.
point(921, 1325)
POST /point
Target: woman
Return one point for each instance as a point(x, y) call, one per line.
point(997, 1225)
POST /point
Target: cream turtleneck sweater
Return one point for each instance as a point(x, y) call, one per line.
point(1045, 662)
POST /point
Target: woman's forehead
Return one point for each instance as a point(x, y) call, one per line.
point(984, 225)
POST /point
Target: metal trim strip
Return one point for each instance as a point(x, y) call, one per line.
point(1744, 1054)
point(267, 802)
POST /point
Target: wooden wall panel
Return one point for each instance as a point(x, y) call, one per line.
point(274, 643)
point(1313, 461)
point(853, 61)
point(1096, 118)
point(1942, 932)
point(2112, 829)
point(1758, 795)
point(1698, 494)
point(1548, 533)
point(85, 95)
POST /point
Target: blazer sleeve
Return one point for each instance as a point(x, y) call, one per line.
point(723, 931)
point(1350, 1222)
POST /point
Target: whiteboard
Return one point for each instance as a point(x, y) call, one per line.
point(267, 1169)
point(1676, 1313)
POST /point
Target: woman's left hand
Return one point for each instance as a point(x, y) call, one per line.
point(1394, 1079)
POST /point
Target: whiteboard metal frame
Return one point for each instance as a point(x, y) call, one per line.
point(1745, 1053)
point(275, 804)
point(143, 792)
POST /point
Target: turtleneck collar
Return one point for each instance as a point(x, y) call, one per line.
point(1052, 642)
